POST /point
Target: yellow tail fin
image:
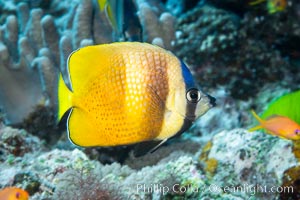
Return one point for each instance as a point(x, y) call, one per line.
point(102, 4)
point(258, 119)
point(64, 98)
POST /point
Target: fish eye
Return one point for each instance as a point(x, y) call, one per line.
point(193, 95)
point(297, 131)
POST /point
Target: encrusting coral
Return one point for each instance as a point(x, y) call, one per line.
point(244, 159)
point(15, 143)
point(208, 31)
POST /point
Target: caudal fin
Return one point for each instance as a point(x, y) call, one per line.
point(259, 120)
point(64, 98)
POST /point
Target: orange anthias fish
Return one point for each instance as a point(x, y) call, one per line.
point(13, 193)
point(276, 6)
point(273, 6)
point(280, 126)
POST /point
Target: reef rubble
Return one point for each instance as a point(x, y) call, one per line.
point(241, 160)
point(241, 54)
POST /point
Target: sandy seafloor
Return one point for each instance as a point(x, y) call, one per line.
point(240, 53)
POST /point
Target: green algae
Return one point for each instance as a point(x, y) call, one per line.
point(286, 105)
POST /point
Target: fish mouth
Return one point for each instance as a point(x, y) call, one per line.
point(207, 103)
point(212, 100)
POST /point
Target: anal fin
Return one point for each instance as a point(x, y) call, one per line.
point(255, 128)
point(80, 129)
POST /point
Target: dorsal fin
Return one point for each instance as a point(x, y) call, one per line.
point(273, 116)
point(88, 62)
point(257, 117)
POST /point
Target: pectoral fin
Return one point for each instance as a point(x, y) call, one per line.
point(147, 147)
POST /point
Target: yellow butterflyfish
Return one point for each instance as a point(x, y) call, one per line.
point(128, 92)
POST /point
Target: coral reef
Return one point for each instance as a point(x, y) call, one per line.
point(217, 38)
point(291, 178)
point(17, 148)
point(15, 143)
point(35, 44)
point(158, 24)
point(233, 158)
point(244, 160)
point(79, 185)
point(177, 7)
point(34, 48)
point(242, 55)
point(235, 113)
point(209, 38)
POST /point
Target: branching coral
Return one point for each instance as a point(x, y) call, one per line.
point(25, 64)
point(35, 44)
point(158, 25)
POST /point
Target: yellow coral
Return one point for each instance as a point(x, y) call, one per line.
point(211, 166)
point(205, 151)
